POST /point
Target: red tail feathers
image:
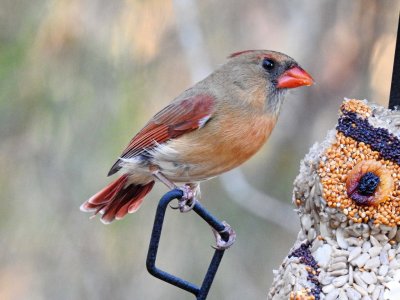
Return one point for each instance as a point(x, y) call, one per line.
point(117, 199)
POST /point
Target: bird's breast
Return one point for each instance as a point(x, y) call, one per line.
point(223, 144)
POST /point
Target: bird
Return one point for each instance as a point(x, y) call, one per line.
point(209, 129)
point(347, 198)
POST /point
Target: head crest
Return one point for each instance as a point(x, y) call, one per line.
point(240, 53)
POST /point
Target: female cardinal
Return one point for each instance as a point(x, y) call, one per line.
point(209, 129)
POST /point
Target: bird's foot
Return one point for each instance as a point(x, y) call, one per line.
point(225, 238)
point(188, 201)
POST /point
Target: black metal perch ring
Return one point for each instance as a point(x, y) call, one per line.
point(200, 292)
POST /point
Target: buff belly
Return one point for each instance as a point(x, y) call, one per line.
point(189, 159)
point(203, 153)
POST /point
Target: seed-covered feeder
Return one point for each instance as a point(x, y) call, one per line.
point(348, 199)
point(347, 196)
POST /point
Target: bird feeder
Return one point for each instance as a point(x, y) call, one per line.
point(348, 199)
point(347, 196)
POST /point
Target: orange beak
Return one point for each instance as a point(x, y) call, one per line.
point(294, 77)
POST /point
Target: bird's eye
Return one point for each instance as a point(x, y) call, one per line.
point(268, 64)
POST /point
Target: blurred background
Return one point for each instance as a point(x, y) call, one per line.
point(79, 77)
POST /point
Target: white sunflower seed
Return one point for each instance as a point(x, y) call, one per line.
point(374, 251)
point(351, 279)
point(361, 260)
point(360, 289)
point(306, 222)
point(391, 254)
point(339, 252)
point(372, 263)
point(337, 266)
point(339, 259)
point(328, 288)
point(392, 233)
point(339, 272)
point(342, 295)
point(383, 269)
point(353, 294)
point(355, 241)
point(366, 246)
point(354, 253)
point(370, 289)
point(325, 279)
point(358, 280)
point(368, 277)
point(332, 295)
point(377, 292)
point(340, 238)
point(374, 241)
point(383, 239)
point(383, 257)
point(394, 264)
point(340, 281)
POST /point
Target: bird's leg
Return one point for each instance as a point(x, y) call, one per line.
point(187, 202)
point(160, 176)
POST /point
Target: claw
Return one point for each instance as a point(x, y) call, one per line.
point(174, 207)
point(187, 206)
point(187, 202)
point(221, 244)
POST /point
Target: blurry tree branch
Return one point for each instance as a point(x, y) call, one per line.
point(234, 182)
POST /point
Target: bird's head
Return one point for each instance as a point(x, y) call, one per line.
point(272, 72)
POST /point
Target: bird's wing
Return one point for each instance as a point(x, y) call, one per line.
point(177, 118)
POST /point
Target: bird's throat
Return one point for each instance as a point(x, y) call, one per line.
point(273, 102)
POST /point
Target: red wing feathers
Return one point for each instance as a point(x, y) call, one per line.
point(173, 121)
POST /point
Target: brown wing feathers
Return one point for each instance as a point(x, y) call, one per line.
point(174, 120)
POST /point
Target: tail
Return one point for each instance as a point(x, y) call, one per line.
point(117, 199)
